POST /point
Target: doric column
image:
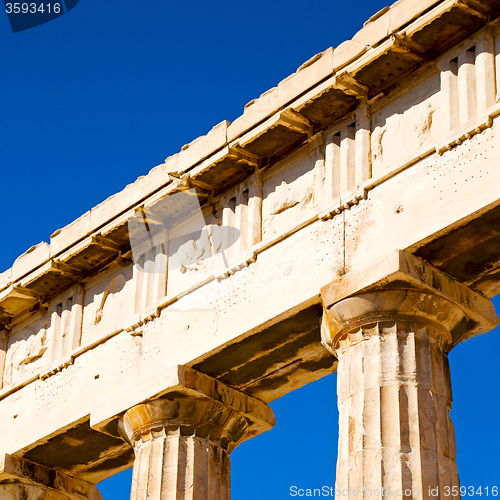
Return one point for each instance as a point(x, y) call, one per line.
point(21, 479)
point(392, 339)
point(182, 440)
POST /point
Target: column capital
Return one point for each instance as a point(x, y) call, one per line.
point(402, 286)
point(20, 478)
point(367, 313)
point(182, 438)
point(188, 415)
point(180, 382)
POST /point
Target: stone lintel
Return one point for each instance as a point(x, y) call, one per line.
point(19, 470)
point(400, 269)
point(182, 381)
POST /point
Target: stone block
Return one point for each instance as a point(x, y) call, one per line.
point(259, 110)
point(309, 74)
point(21, 479)
point(67, 236)
point(346, 52)
point(203, 146)
point(172, 165)
point(182, 380)
point(402, 13)
point(373, 32)
point(5, 278)
point(30, 260)
point(113, 206)
point(144, 186)
point(133, 193)
point(400, 266)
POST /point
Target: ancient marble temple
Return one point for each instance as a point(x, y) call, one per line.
point(344, 222)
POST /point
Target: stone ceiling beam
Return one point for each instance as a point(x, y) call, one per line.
point(23, 479)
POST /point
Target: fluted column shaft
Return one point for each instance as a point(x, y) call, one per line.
point(171, 466)
point(394, 394)
point(394, 397)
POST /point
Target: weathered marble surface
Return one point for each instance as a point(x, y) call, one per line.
point(216, 260)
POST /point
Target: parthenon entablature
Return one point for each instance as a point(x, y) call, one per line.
point(368, 176)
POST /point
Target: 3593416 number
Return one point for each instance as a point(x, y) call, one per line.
point(33, 8)
point(470, 491)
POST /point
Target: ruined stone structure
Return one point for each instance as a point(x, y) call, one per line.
point(347, 221)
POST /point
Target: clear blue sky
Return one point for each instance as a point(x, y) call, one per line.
point(99, 96)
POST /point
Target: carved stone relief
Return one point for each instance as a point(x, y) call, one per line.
point(26, 351)
point(289, 194)
point(228, 229)
point(108, 304)
point(399, 130)
point(115, 286)
point(195, 255)
point(44, 340)
point(195, 258)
